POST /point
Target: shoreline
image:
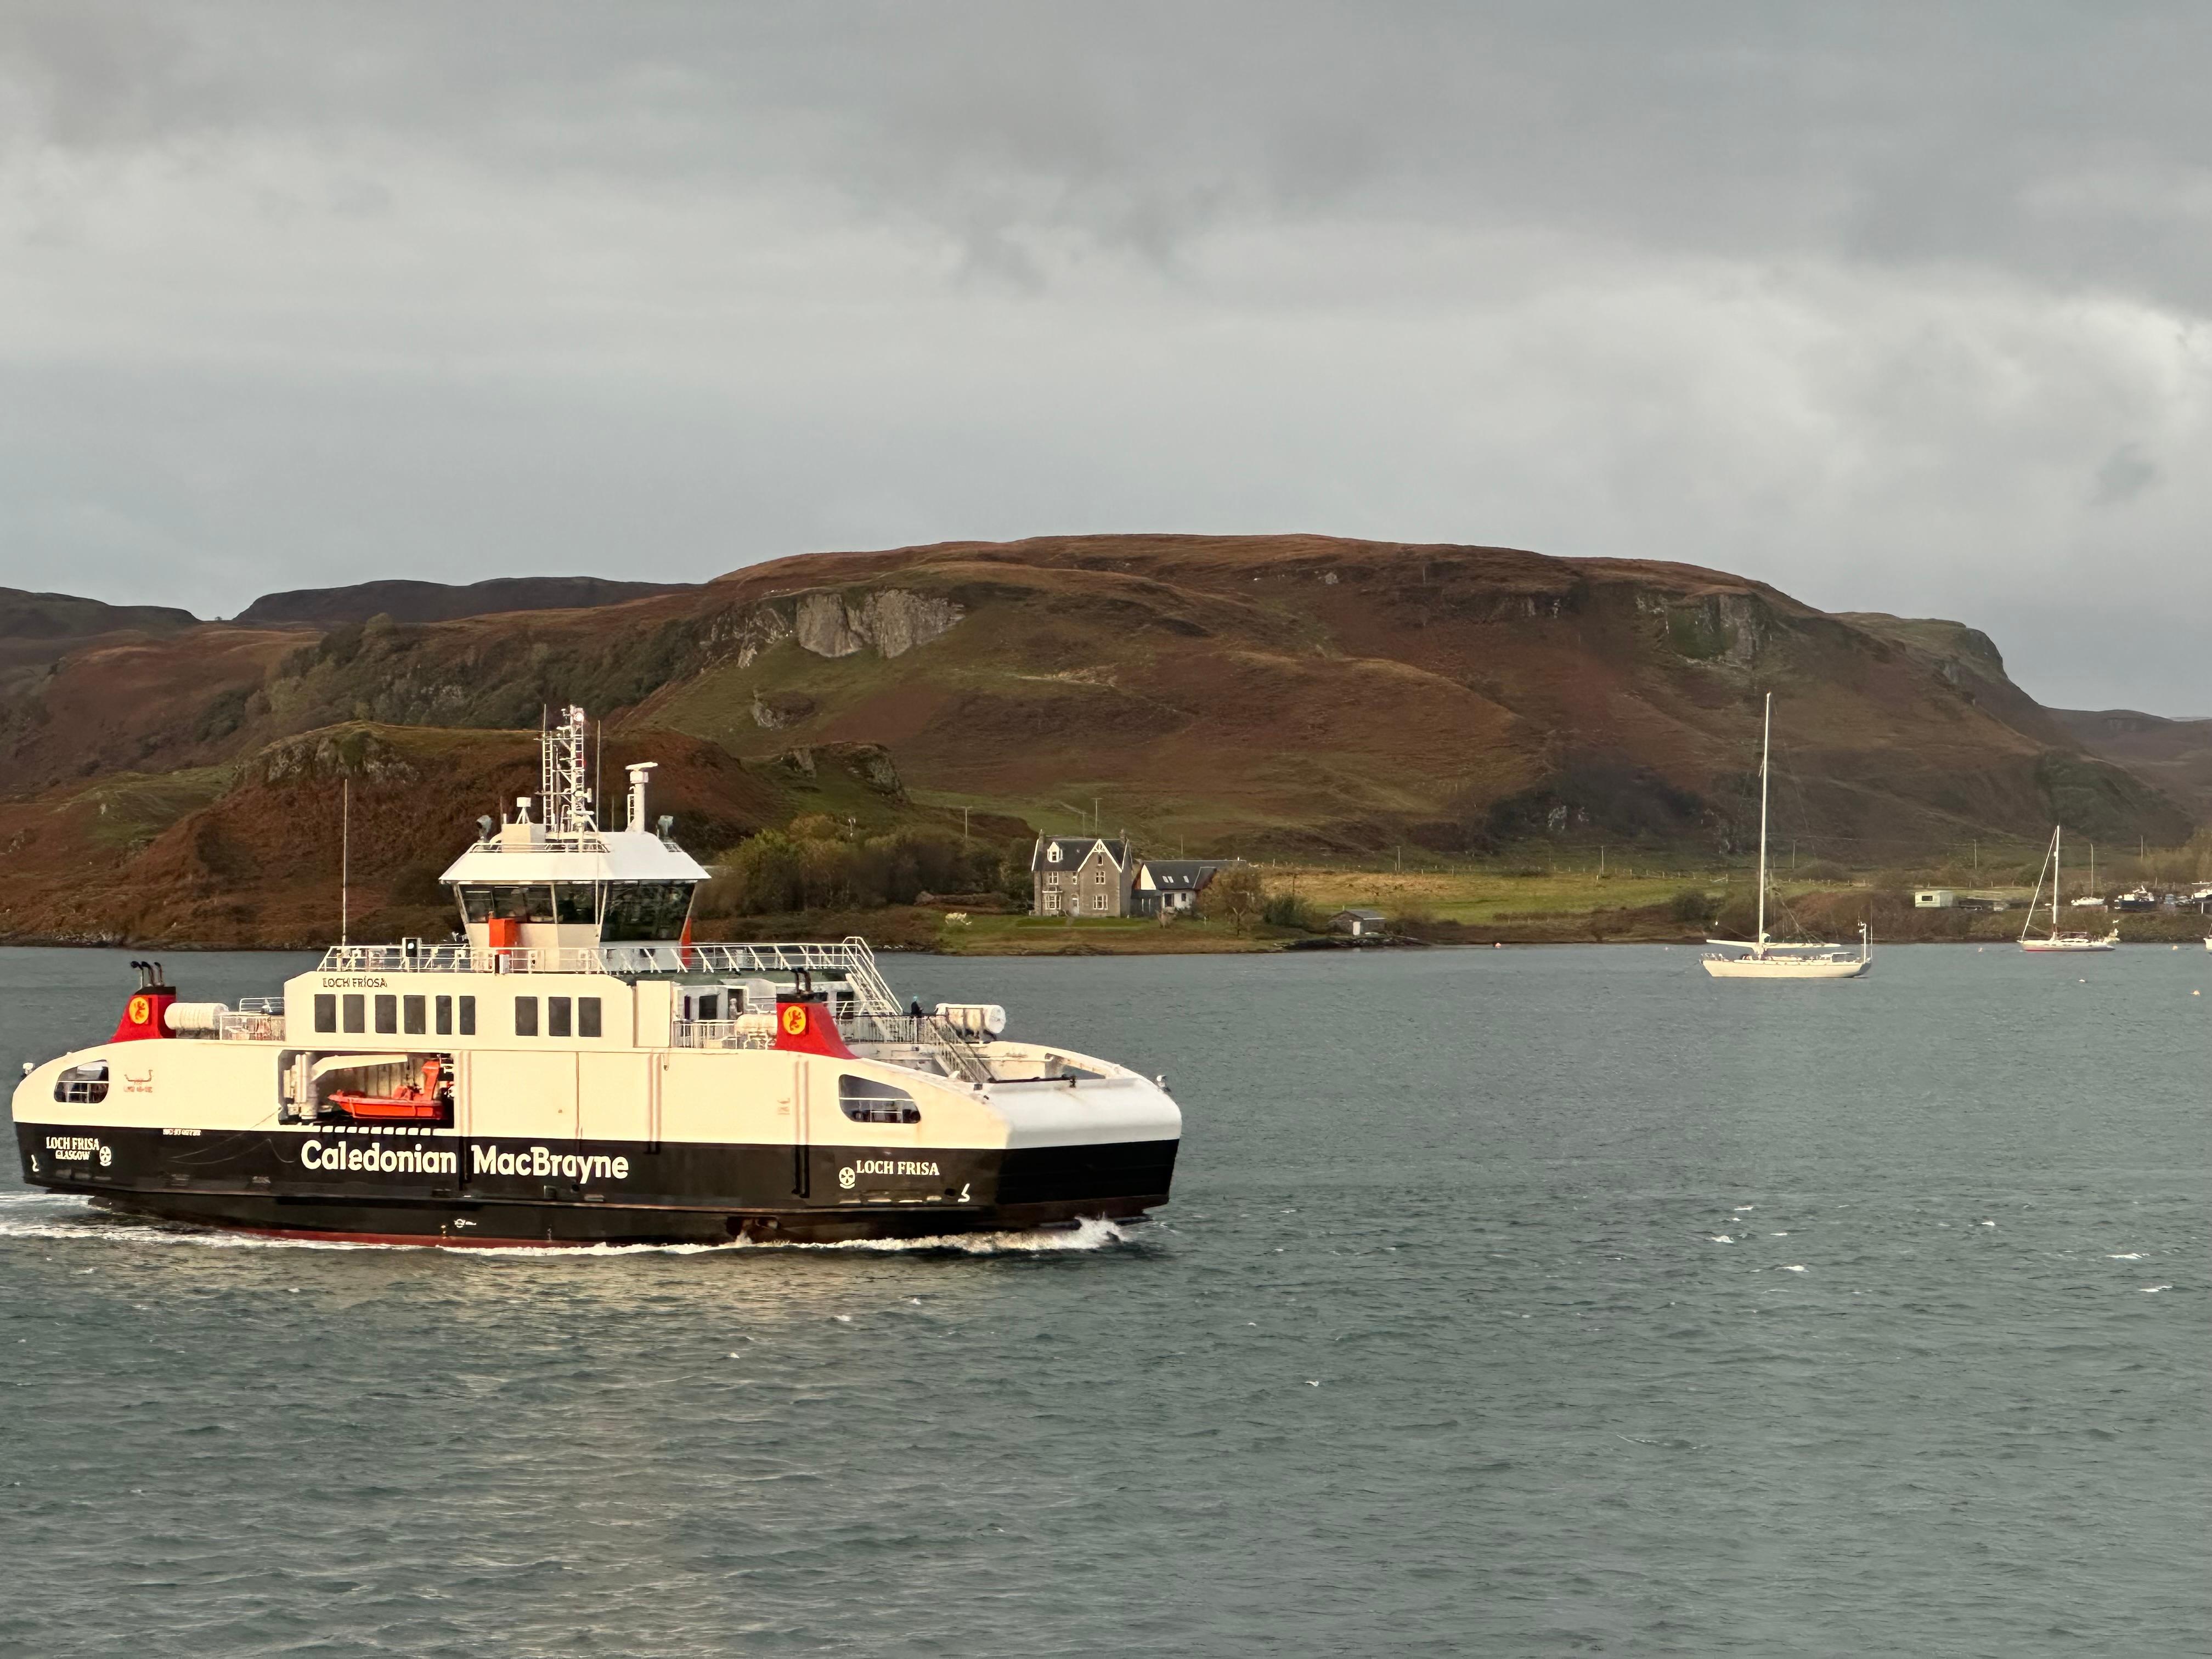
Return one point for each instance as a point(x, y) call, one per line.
point(1300, 944)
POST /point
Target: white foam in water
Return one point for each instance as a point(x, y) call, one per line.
point(1086, 1235)
point(2132, 1255)
point(1722, 1238)
point(52, 1216)
point(1798, 1268)
point(2152, 1290)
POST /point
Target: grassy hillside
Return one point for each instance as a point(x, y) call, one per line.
point(1282, 696)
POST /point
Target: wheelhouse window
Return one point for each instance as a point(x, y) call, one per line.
point(387, 1015)
point(326, 1012)
point(411, 1016)
point(865, 1100)
point(557, 1023)
point(82, 1085)
point(525, 1015)
point(445, 1015)
point(645, 909)
point(587, 1016)
point(356, 1013)
point(519, 903)
point(468, 1016)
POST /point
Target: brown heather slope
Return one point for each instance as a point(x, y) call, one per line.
point(249, 854)
point(1266, 693)
point(2175, 756)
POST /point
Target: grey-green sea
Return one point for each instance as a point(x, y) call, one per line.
point(1543, 1301)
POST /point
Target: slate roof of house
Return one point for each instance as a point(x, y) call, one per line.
point(1179, 875)
point(1073, 849)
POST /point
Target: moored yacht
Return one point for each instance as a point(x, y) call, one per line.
point(2054, 865)
point(574, 1070)
point(1763, 956)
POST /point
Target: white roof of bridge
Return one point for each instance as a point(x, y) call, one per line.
point(603, 856)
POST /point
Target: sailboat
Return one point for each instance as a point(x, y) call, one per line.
point(1761, 957)
point(2057, 940)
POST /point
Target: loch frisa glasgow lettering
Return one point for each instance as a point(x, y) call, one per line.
point(573, 1069)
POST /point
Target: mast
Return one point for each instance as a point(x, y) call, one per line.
point(1765, 743)
point(2057, 871)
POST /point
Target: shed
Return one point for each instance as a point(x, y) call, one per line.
point(1360, 924)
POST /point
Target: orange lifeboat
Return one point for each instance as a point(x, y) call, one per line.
point(429, 1101)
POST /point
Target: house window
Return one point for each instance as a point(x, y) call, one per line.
point(326, 1013)
point(468, 1016)
point(411, 1016)
point(1052, 900)
point(556, 1017)
point(525, 1015)
point(1052, 854)
point(356, 1013)
point(1098, 902)
point(587, 1016)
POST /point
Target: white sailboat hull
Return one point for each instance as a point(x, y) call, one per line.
point(1801, 968)
point(2081, 942)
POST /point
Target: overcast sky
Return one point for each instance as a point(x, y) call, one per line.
point(1903, 308)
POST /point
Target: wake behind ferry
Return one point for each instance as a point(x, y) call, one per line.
point(574, 1070)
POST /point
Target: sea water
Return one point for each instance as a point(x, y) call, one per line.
point(1510, 1302)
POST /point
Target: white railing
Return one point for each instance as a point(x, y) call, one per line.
point(725, 1033)
point(867, 1009)
point(850, 960)
point(249, 1025)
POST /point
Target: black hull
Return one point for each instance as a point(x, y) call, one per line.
point(410, 1188)
point(575, 1225)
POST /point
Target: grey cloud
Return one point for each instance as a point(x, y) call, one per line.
point(1900, 306)
point(2125, 474)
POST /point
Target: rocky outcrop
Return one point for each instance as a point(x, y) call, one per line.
point(340, 754)
point(894, 621)
point(868, 762)
point(773, 710)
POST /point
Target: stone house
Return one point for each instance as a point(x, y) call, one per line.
point(1082, 875)
point(1360, 924)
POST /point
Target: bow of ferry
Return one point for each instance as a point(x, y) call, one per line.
point(572, 1069)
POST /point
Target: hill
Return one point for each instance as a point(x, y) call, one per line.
point(421, 602)
point(1275, 694)
point(2174, 755)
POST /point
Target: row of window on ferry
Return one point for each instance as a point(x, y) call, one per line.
point(410, 1016)
point(633, 909)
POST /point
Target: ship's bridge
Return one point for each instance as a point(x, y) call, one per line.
point(547, 879)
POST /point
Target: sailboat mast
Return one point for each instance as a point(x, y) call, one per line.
point(2057, 871)
point(1765, 744)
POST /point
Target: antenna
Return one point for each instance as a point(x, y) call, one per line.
point(566, 782)
point(345, 852)
point(637, 770)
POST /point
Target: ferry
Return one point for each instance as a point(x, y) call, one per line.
point(573, 1069)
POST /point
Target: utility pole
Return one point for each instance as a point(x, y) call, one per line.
point(1600, 861)
point(964, 829)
